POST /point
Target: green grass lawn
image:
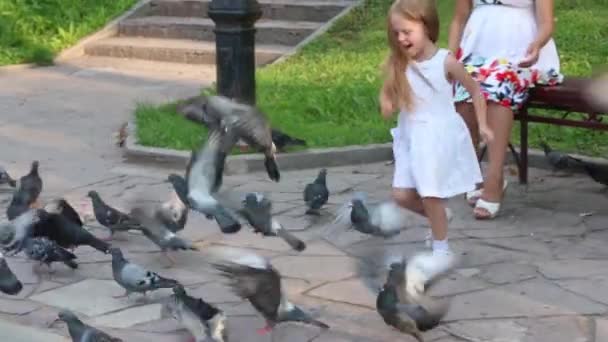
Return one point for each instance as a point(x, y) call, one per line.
point(327, 93)
point(33, 31)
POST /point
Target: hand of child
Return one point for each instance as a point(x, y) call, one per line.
point(486, 134)
point(531, 56)
point(386, 107)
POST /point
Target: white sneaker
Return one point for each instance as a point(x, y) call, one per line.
point(425, 266)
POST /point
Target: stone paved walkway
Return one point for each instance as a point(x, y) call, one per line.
point(538, 273)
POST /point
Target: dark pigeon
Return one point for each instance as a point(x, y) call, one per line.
point(316, 193)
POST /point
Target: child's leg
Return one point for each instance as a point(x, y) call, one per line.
point(409, 199)
point(435, 208)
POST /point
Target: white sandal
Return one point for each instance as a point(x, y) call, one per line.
point(474, 195)
point(491, 207)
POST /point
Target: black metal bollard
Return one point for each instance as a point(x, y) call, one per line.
point(235, 47)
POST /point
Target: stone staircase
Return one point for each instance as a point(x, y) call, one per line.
point(179, 31)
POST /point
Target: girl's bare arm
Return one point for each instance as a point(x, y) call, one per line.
point(462, 10)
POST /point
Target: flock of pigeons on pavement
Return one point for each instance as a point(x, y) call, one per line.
point(46, 234)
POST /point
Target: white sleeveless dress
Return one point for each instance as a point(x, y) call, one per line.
point(432, 147)
point(494, 40)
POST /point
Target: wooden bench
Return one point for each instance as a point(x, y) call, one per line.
point(568, 97)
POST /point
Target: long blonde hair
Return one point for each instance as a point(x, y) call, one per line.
point(396, 85)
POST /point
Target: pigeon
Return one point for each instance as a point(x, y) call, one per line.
point(252, 277)
point(257, 210)
point(204, 178)
point(281, 140)
point(180, 186)
point(68, 234)
point(61, 206)
point(316, 193)
point(81, 332)
point(155, 230)
point(204, 321)
point(193, 109)
point(174, 212)
point(249, 123)
point(47, 251)
point(405, 313)
point(5, 178)
point(558, 160)
point(385, 219)
point(9, 284)
point(20, 203)
point(31, 184)
point(597, 172)
point(109, 217)
point(134, 278)
point(14, 232)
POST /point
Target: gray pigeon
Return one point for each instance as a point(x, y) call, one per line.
point(47, 251)
point(249, 124)
point(155, 230)
point(558, 160)
point(385, 219)
point(204, 321)
point(173, 214)
point(257, 210)
point(27, 193)
point(14, 233)
point(398, 300)
point(316, 193)
point(252, 277)
point(204, 178)
point(408, 314)
point(81, 332)
point(134, 278)
point(111, 218)
point(9, 283)
point(5, 178)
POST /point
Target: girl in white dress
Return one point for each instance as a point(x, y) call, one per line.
point(433, 151)
point(507, 48)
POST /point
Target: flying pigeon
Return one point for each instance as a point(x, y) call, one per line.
point(81, 332)
point(47, 251)
point(249, 124)
point(9, 284)
point(385, 219)
point(204, 178)
point(316, 193)
point(109, 217)
point(204, 321)
point(134, 278)
point(252, 277)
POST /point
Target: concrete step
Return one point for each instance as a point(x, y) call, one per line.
point(150, 70)
point(173, 50)
point(297, 10)
point(274, 32)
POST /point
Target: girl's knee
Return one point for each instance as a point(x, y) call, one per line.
point(405, 197)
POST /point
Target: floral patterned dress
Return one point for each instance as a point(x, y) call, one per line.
point(494, 40)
